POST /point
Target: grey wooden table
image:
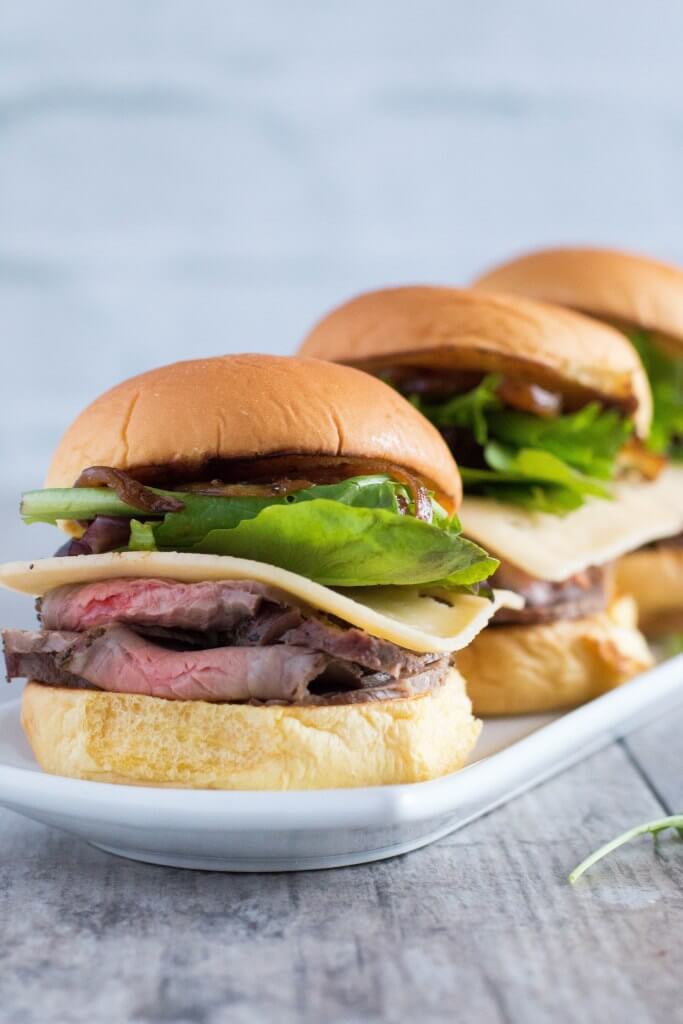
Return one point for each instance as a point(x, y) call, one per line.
point(480, 926)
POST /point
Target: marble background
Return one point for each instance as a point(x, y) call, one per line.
point(184, 179)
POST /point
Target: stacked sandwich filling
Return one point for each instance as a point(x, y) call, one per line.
point(516, 443)
point(233, 640)
point(243, 641)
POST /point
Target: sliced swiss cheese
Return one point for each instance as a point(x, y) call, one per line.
point(418, 618)
point(556, 547)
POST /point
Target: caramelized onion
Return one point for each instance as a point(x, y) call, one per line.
point(634, 456)
point(128, 490)
point(216, 488)
point(521, 394)
point(321, 469)
point(104, 533)
point(270, 476)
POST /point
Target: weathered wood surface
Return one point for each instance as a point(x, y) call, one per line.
point(480, 926)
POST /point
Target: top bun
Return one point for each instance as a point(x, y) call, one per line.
point(469, 330)
point(188, 414)
point(615, 286)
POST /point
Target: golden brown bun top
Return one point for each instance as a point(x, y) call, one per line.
point(245, 406)
point(617, 286)
point(428, 327)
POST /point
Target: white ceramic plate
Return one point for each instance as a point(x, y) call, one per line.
point(271, 831)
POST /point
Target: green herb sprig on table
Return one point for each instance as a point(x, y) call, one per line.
point(674, 821)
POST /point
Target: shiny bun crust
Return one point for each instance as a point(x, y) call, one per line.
point(458, 329)
point(654, 578)
point(616, 286)
point(114, 737)
point(513, 670)
point(242, 406)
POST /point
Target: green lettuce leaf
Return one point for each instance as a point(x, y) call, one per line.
point(349, 547)
point(588, 440)
point(666, 380)
point(531, 478)
point(548, 464)
point(50, 504)
point(355, 533)
point(469, 411)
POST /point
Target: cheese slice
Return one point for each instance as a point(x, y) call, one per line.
point(421, 619)
point(556, 547)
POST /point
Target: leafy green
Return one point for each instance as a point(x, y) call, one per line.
point(653, 827)
point(141, 536)
point(359, 532)
point(53, 503)
point(348, 547)
point(541, 467)
point(469, 411)
point(588, 440)
point(666, 380)
point(49, 505)
point(548, 464)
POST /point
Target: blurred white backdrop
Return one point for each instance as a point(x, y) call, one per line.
point(184, 179)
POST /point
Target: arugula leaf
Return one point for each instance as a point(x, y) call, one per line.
point(589, 440)
point(469, 410)
point(550, 465)
point(534, 479)
point(515, 491)
point(541, 467)
point(666, 380)
point(653, 827)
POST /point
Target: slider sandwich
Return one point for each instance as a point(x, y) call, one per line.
point(543, 410)
point(263, 587)
point(644, 299)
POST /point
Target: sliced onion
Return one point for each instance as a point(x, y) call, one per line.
point(321, 469)
point(261, 477)
point(521, 394)
point(636, 457)
point(129, 490)
point(217, 488)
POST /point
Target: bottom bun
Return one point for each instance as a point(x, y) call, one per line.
point(654, 577)
point(117, 737)
point(522, 669)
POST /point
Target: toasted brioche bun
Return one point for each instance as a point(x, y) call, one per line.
point(245, 406)
point(615, 286)
point(112, 737)
point(453, 329)
point(513, 670)
point(654, 577)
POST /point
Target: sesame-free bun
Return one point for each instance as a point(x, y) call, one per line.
point(514, 670)
point(191, 413)
point(616, 286)
point(455, 329)
point(136, 740)
point(654, 578)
